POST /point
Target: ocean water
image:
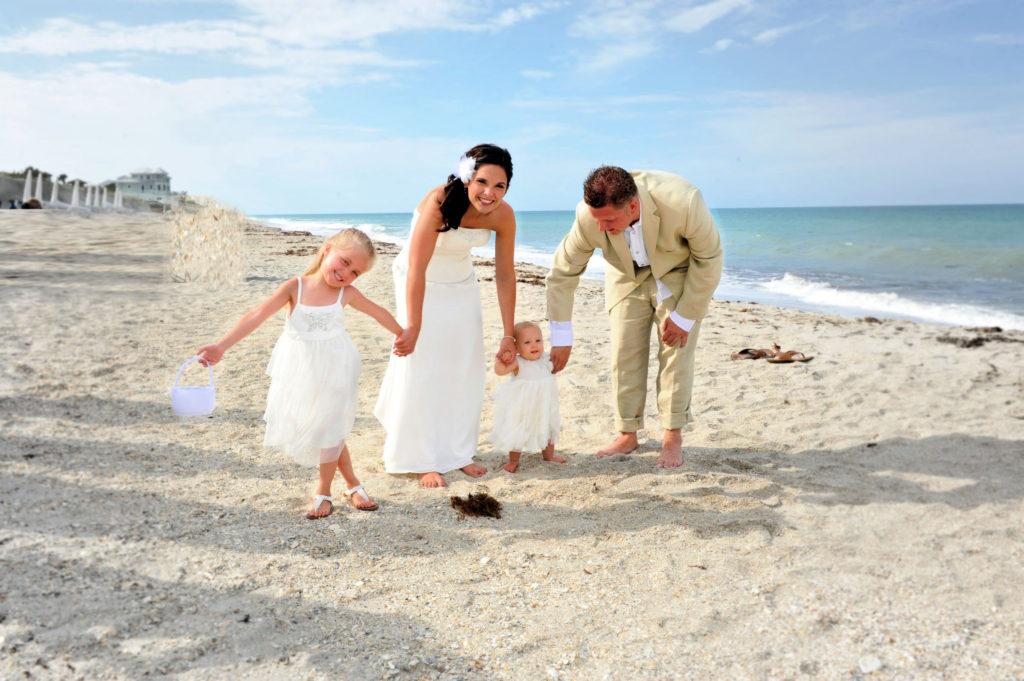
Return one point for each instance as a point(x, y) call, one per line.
point(960, 265)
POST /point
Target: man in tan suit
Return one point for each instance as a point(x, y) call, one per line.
point(664, 260)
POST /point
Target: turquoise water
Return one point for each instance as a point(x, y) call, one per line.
point(959, 265)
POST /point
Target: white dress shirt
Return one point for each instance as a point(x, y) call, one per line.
point(561, 332)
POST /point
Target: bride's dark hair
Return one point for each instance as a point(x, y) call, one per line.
point(456, 199)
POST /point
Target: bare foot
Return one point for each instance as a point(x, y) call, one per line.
point(359, 501)
point(549, 454)
point(513, 462)
point(431, 479)
point(671, 450)
point(473, 471)
point(321, 509)
point(624, 444)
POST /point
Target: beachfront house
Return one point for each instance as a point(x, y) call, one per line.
point(152, 184)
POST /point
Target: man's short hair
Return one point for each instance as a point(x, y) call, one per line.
point(609, 185)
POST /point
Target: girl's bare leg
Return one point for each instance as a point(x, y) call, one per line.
point(549, 454)
point(351, 481)
point(323, 509)
point(513, 462)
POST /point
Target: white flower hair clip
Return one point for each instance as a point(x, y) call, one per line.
point(467, 166)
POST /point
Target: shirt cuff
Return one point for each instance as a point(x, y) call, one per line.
point(682, 322)
point(561, 333)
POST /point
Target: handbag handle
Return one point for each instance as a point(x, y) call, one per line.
point(194, 359)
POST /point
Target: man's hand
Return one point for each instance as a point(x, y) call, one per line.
point(671, 334)
point(560, 357)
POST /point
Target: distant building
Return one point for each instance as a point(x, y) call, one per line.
point(151, 184)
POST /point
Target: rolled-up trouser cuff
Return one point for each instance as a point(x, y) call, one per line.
point(673, 421)
point(628, 425)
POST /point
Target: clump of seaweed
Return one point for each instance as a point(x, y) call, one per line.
point(479, 504)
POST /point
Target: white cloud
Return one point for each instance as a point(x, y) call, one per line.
point(841, 149)
point(612, 55)
point(615, 20)
point(265, 25)
point(870, 13)
point(693, 19)
point(769, 36)
point(626, 31)
point(525, 12)
point(65, 37)
point(722, 45)
point(1003, 39)
point(601, 105)
point(319, 23)
point(313, 62)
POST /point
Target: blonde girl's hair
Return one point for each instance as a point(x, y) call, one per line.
point(520, 326)
point(346, 238)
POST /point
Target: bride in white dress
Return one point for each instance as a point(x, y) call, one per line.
point(433, 389)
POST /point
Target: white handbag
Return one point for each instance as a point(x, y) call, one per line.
point(192, 400)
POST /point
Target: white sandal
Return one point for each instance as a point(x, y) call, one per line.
point(317, 500)
point(358, 489)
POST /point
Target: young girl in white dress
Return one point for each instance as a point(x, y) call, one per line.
point(314, 367)
point(526, 406)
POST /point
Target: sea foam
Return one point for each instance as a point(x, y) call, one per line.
point(827, 297)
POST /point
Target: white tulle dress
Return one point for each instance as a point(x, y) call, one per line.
point(430, 401)
point(314, 371)
point(526, 415)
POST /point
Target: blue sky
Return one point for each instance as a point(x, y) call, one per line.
point(332, 106)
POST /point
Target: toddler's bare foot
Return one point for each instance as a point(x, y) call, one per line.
point(431, 479)
point(671, 450)
point(624, 444)
point(549, 454)
point(473, 471)
point(513, 462)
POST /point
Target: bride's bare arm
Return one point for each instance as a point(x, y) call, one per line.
point(505, 279)
point(421, 248)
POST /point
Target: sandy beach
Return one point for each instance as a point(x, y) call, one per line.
point(855, 516)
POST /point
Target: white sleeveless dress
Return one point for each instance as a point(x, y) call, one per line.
point(430, 401)
point(526, 414)
point(314, 371)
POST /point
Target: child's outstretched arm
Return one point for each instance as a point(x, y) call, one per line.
point(249, 322)
point(360, 302)
point(502, 368)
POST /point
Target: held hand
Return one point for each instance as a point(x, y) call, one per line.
point(405, 342)
point(506, 366)
point(507, 351)
point(671, 334)
point(211, 354)
point(560, 357)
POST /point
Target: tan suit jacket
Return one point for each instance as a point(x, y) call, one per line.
point(680, 236)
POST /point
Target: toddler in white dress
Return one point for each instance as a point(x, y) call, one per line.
point(526, 406)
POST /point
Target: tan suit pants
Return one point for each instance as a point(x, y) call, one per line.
point(631, 322)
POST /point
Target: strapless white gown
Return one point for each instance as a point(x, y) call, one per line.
point(430, 401)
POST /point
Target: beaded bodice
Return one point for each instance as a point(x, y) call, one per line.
point(316, 322)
